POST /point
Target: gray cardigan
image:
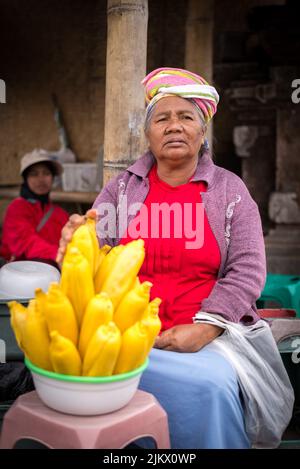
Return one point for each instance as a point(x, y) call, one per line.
point(234, 219)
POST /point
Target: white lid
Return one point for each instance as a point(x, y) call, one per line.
point(18, 280)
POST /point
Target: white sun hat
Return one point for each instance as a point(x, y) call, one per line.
point(40, 156)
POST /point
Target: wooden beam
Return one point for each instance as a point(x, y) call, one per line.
point(56, 196)
point(124, 99)
point(199, 43)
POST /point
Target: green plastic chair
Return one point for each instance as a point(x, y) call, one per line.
point(282, 289)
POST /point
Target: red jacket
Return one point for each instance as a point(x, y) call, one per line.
point(20, 238)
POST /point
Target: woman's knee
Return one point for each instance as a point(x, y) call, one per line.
point(210, 373)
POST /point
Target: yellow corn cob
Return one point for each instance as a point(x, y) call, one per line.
point(82, 240)
point(102, 351)
point(77, 281)
point(91, 225)
point(152, 322)
point(59, 313)
point(40, 298)
point(106, 266)
point(99, 276)
point(124, 271)
point(136, 281)
point(134, 348)
point(34, 337)
point(64, 356)
point(99, 311)
point(18, 316)
point(132, 306)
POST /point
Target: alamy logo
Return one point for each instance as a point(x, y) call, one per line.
point(2, 92)
point(159, 220)
point(2, 351)
point(296, 93)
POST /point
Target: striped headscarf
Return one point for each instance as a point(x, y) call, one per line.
point(164, 82)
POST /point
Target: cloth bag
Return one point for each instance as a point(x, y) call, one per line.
point(268, 396)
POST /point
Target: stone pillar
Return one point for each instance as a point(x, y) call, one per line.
point(254, 137)
point(256, 146)
point(283, 242)
point(199, 43)
point(271, 163)
point(124, 100)
point(288, 150)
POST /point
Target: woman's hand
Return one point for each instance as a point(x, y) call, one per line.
point(187, 337)
point(70, 227)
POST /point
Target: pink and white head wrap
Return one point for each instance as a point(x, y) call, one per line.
point(164, 82)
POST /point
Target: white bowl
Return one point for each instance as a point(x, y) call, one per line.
point(81, 395)
point(19, 279)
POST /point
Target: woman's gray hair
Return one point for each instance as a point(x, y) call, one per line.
point(148, 116)
point(150, 109)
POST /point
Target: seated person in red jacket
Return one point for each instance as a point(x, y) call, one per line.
point(32, 224)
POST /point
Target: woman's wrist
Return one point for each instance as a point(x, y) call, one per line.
point(209, 332)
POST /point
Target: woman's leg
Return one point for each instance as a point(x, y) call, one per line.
point(200, 394)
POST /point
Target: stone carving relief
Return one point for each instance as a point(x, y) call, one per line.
point(284, 208)
point(245, 136)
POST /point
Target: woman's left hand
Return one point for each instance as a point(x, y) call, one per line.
point(187, 337)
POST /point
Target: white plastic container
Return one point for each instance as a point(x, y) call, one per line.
point(82, 395)
point(18, 280)
point(81, 177)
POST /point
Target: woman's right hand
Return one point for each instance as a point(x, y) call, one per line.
point(68, 230)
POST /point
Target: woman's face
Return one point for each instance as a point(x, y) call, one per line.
point(40, 179)
point(175, 133)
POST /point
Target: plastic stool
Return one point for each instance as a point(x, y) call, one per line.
point(284, 289)
point(29, 418)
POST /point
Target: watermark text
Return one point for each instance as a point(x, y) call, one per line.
point(296, 353)
point(296, 93)
point(157, 220)
point(2, 92)
point(2, 351)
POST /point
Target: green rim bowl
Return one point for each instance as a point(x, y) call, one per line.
point(83, 395)
point(86, 379)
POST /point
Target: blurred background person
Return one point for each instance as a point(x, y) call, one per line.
point(32, 223)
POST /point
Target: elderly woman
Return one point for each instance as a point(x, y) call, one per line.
point(208, 276)
point(32, 224)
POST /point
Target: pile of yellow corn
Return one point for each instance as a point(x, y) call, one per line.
point(99, 320)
